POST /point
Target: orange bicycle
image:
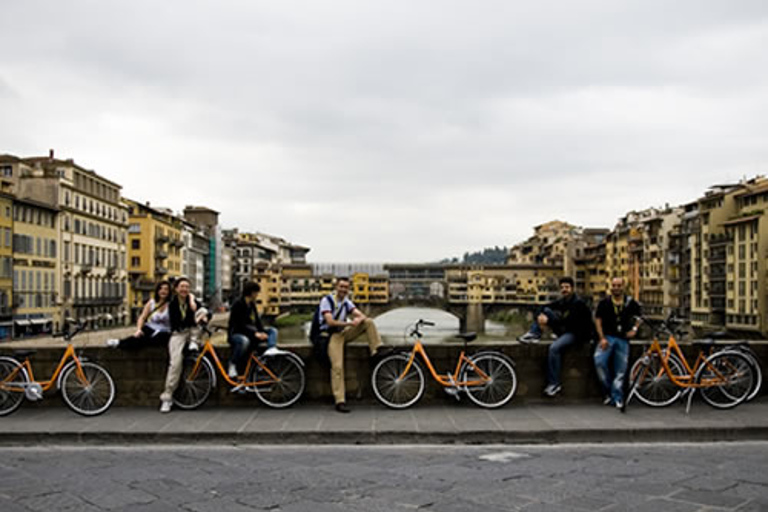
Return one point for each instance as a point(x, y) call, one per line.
point(487, 377)
point(662, 375)
point(86, 387)
point(277, 380)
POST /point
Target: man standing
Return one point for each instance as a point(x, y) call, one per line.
point(340, 318)
point(568, 317)
point(616, 322)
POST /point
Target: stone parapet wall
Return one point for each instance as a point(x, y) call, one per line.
point(139, 376)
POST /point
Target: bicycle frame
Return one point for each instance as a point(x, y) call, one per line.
point(449, 380)
point(687, 380)
point(46, 385)
point(209, 350)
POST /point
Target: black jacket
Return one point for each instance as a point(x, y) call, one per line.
point(174, 312)
point(244, 319)
point(574, 316)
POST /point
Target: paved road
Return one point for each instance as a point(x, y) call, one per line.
point(692, 477)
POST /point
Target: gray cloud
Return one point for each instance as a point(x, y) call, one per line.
point(393, 131)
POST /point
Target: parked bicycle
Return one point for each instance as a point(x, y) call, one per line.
point(662, 375)
point(86, 387)
point(487, 377)
point(278, 380)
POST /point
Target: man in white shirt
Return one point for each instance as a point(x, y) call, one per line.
point(340, 318)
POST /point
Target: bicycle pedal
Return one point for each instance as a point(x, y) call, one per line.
point(238, 389)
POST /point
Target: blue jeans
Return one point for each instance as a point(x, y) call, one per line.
point(241, 346)
point(611, 365)
point(555, 357)
point(551, 321)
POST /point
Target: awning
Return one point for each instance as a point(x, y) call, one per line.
point(40, 321)
point(23, 322)
point(741, 219)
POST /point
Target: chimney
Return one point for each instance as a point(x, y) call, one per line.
point(50, 154)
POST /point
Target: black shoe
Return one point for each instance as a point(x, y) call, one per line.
point(383, 350)
point(342, 407)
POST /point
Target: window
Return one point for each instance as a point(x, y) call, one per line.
point(135, 244)
point(135, 261)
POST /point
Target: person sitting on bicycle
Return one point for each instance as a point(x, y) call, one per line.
point(185, 313)
point(616, 320)
point(246, 330)
point(344, 322)
point(153, 326)
point(570, 318)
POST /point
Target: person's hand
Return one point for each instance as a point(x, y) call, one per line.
point(262, 336)
point(138, 334)
point(357, 321)
point(603, 344)
point(632, 333)
point(542, 319)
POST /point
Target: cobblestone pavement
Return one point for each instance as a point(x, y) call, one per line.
point(681, 477)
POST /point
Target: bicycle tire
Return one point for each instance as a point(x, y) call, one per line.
point(390, 389)
point(89, 398)
point(757, 368)
point(502, 386)
point(290, 385)
point(11, 399)
point(737, 371)
point(651, 384)
point(194, 390)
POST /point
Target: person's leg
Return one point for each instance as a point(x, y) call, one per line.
point(175, 361)
point(368, 327)
point(602, 359)
point(535, 331)
point(239, 344)
point(620, 364)
point(555, 357)
point(272, 339)
point(336, 355)
point(134, 342)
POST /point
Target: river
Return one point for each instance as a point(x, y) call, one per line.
point(394, 325)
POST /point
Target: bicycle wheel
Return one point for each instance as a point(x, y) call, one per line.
point(394, 389)
point(90, 393)
point(194, 388)
point(502, 384)
point(650, 382)
point(730, 375)
point(284, 382)
point(757, 371)
point(12, 374)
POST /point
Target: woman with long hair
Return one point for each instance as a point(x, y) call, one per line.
point(153, 328)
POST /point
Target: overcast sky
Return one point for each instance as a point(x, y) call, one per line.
point(397, 130)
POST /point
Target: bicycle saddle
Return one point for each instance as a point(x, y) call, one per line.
point(467, 336)
point(23, 354)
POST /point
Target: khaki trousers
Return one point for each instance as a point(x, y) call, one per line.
point(176, 359)
point(336, 352)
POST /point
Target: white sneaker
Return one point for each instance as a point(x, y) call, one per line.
point(273, 351)
point(193, 346)
point(165, 406)
point(112, 343)
point(232, 371)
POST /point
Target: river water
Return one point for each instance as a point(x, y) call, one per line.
point(394, 326)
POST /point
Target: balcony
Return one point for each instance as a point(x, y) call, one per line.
point(99, 301)
point(161, 271)
point(111, 270)
point(161, 239)
point(143, 285)
point(161, 255)
point(86, 268)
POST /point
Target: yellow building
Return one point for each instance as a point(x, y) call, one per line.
point(591, 277)
point(35, 268)
point(370, 289)
point(154, 251)
point(503, 284)
point(6, 265)
point(746, 232)
point(269, 280)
